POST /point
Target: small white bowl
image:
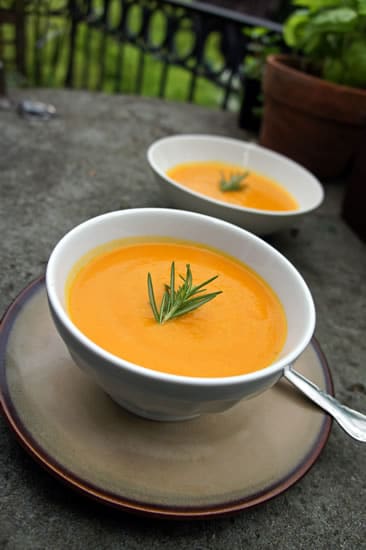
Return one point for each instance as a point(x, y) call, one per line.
point(158, 395)
point(170, 151)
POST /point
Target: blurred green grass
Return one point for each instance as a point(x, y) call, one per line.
point(47, 41)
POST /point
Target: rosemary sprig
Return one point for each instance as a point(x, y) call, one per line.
point(234, 182)
point(177, 302)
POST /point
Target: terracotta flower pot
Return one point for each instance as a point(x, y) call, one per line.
point(316, 123)
point(354, 202)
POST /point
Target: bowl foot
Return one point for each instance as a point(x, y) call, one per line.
point(153, 415)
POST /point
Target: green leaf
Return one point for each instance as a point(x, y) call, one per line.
point(354, 60)
point(253, 66)
point(361, 7)
point(186, 298)
point(199, 287)
point(255, 32)
point(172, 284)
point(152, 297)
point(335, 20)
point(312, 44)
point(193, 304)
point(333, 70)
point(234, 182)
point(293, 28)
point(163, 307)
point(316, 4)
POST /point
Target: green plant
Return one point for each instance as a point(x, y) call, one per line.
point(262, 43)
point(330, 35)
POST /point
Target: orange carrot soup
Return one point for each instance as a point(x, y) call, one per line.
point(253, 190)
point(241, 330)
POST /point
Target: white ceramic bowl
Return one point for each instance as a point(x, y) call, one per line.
point(157, 395)
point(170, 151)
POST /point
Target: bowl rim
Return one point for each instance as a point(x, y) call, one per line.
point(217, 138)
point(134, 368)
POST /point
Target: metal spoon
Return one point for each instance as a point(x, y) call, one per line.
point(352, 422)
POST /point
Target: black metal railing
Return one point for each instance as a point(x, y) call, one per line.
point(124, 45)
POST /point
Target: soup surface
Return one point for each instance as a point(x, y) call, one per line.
point(257, 190)
point(239, 331)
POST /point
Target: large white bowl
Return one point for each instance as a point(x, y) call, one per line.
point(170, 151)
point(155, 394)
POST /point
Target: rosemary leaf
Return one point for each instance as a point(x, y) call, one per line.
point(177, 302)
point(172, 285)
point(164, 304)
point(152, 298)
point(194, 304)
point(199, 287)
point(234, 182)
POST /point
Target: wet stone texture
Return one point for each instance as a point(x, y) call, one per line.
point(92, 159)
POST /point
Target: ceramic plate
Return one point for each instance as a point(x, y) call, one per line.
point(205, 467)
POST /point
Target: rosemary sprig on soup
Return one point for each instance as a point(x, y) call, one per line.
point(233, 182)
point(185, 299)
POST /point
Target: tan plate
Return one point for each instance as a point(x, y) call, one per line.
point(205, 467)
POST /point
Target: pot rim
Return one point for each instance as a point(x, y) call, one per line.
point(287, 84)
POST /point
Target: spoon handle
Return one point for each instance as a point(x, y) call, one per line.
point(352, 422)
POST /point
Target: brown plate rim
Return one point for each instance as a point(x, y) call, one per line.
point(61, 472)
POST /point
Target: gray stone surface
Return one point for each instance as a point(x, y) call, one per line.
point(91, 159)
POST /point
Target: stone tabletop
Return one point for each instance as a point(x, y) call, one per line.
point(91, 159)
